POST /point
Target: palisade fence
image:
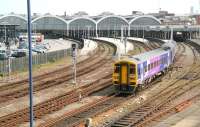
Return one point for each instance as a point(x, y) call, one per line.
point(21, 64)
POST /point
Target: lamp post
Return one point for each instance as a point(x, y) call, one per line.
point(74, 60)
point(30, 63)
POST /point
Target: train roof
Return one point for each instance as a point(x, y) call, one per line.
point(147, 55)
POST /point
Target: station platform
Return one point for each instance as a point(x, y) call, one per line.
point(196, 40)
point(121, 49)
point(190, 117)
point(89, 46)
point(138, 39)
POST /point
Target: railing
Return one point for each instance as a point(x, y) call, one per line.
point(21, 64)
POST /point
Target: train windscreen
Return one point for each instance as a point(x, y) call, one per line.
point(117, 68)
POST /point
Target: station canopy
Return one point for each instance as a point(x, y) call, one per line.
point(111, 23)
point(107, 22)
point(49, 22)
point(144, 21)
point(19, 21)
point(82, 23)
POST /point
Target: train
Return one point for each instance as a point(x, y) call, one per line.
point(137, 71)
point(179, 37)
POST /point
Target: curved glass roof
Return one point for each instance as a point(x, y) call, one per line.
point(14, 20)
point(49, 23)
point(111, 23)
point(145, 20)
point(82, 23)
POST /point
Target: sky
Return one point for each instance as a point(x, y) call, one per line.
point(95, 7)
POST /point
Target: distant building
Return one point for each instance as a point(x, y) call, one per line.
point(106, 13)
point(162, 14)
point(137, 13)
point(178, 20)
point(80, 14)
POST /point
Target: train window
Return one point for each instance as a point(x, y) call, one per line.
point(117, 68)
point(151, 65)
point(154, 64)
point(148, 67)
point(145, 68)
point(132, 69)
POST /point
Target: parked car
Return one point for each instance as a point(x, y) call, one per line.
point(40, 48)
point(19, 53)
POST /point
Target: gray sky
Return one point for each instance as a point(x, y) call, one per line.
point(95, 7)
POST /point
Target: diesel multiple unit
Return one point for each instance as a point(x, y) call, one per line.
point(138, 70)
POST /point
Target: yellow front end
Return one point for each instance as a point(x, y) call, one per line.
point(125, 76)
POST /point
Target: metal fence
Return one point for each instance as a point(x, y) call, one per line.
point(21, 64)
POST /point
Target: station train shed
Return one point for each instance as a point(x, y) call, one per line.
point(96, 26)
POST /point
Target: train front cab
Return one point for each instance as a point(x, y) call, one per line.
point(125, 76)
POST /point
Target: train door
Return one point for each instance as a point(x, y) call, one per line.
point(140, 71)
point(124, 74)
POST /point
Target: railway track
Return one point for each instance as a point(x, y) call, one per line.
point(57, 103)
point(38, 78)
point(160, 101)
point(155, 99)
point(53, 104)
point(142, 114)
point(140, 46)
point(54, 79)
point(75, 118)
point(148, 109)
